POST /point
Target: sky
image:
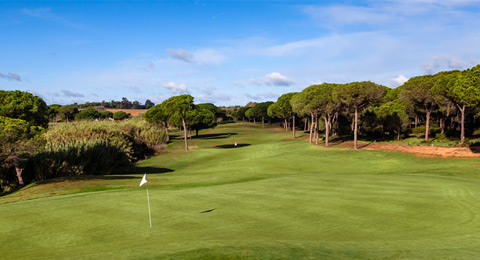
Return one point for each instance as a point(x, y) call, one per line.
point(226, 52)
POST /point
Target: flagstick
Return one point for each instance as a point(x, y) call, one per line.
point(148, 201)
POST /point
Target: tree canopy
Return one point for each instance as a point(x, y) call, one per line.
point(23, 105)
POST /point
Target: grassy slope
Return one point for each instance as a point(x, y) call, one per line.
point(271, 199)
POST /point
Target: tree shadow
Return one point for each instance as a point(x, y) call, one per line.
point(214, 136)
point(149, 170)
point(475, 148)
point(335, 142)
point(229, 146)
point(364, 145)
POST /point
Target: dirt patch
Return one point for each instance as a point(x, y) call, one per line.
point(418, 150)
point(133, 112)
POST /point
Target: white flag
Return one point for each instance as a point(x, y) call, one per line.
point(144, 180)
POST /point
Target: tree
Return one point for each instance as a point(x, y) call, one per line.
point(53, 110)
point(219, 113)
point(260, 111)
point(249, 114)
point(179, 106)
point(89, 113)
point(158, 115)
point(149, 104)
point(126, 104)
point(135, 105)
point(120, 115)
point(18, 140)
point(299, 106)
point(357, 96)
point(201, 118)
point(25, 106)
point(283, 109)
point(393, 116)
point(418, 91)
point(240, 113)
point(68, 112)
point(462, 89)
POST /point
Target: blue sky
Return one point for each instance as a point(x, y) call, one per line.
point(227, 52)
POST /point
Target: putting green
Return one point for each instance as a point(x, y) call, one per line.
point(270, 199)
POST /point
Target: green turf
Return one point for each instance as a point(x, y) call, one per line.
point(270, 198)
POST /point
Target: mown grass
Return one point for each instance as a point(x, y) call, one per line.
point(270, 198)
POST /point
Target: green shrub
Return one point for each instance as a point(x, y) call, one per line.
point(419, 131)
point(120, 115)
point(93, 148)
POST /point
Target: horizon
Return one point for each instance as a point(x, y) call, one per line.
point(227, 53)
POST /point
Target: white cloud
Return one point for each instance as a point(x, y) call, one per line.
point(272, 79)
point(395, 82)
point(175, 88)
point(445, 62)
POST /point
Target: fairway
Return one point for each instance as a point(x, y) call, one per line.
point(270, 198)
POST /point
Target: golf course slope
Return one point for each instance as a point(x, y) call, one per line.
point(272, 197)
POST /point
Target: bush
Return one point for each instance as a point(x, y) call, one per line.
point(120, 115)
point(94, 148)
point(419, 131)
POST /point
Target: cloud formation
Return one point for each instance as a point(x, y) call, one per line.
point(272, 79)
point(180, 54)
point(395, 82)
point(68, 93)
point(10, 76)
point(175, 88)
point(444, 62)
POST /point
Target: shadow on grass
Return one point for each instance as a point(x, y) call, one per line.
point(149, 170)
point(214, 136)
point(229, 146)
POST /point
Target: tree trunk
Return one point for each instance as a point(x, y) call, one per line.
point(416, 121)
point(293, 125)
point(327, 130)
point(285, 125)
point(462, 126)
point(355, 130)
point(427, 124)
point(316, 129)
point(305, 123)
point(185, 133)
point(196, 132)
point(442, 126)
point(19, 174)
point(398, 134)
point(311, 129)
point(254, 121)
point(263, 122)
point(166, 132)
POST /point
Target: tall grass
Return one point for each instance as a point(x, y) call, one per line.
point(93, 148)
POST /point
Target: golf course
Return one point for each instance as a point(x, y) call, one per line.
point(269, 197)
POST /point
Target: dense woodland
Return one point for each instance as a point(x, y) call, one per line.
point(34, 146)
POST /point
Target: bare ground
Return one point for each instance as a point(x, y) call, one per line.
point(417, 150)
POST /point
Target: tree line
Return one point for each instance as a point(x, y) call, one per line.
point(123, 104)
point(450, 99)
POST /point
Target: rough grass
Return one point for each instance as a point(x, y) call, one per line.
point(266, 199)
